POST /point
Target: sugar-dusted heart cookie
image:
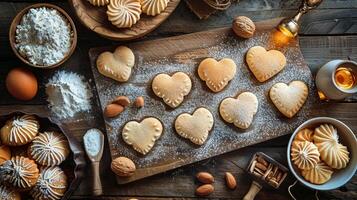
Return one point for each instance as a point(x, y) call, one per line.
point(265, 64)
point(239, 111)
point(142, 136)
point(172, 89)
point(217, 74)
point(116, 65)
point(289, 98)
point(195, 127)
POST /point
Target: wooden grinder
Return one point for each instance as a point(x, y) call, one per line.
point(265, 171)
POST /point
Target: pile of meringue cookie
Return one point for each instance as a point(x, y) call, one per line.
point(126, 13)
point(318, 153)
point(30, 159)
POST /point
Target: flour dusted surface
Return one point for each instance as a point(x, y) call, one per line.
point(268, 123)
point(43, 36)
point(68, 94)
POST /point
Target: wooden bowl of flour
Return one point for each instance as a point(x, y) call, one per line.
point(16, 21)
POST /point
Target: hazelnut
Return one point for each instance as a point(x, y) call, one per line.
point(139, 102)
point(243, 27)
point(123, 166)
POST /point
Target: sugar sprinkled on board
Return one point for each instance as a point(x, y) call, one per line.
point(68, 94)
point(43, 36)
point(171, 148)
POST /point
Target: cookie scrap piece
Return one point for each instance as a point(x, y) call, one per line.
point(142, 135)
point(195, 127)
point(117, 65)
point(217, 74)
point(265, 64)
point(239, 111)
point(172, 89)
point(289, 98)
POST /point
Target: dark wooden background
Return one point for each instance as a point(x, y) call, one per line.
point(329, 32)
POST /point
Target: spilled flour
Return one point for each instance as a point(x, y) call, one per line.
point(68, 93)
point(268, 123)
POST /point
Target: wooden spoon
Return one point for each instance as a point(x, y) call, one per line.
point(93, 144)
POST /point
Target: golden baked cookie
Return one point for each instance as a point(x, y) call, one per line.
point(303, 135)
point(116, 65)
point(20, 172)
point(240, 111)
point(5, 154)
point(142, 135)
point(49, 148)
point(124, 13)
point(332, 152)
point(217, 74)
point(19, 130)
point(153, 7)
point(319, 174)
point(195, 127)
point(99, 2)
point(8, 193)
point(172, 89)
point(265, 64)
point(304, 154)
point(52, 184)
point(289, 99)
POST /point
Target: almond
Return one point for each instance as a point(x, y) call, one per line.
point(113, 110)
point(122, 100)
point(230, 181)
point(204, 190)
point(123, 166)
point(139, 102)
point(205, 177)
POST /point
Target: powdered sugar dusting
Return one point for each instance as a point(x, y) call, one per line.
point(268, 123)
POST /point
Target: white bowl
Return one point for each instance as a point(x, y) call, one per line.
point(346, 137)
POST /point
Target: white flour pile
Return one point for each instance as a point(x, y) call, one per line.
point(68, 94)
point(43, 36)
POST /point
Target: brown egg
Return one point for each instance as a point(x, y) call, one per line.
point(21, 84)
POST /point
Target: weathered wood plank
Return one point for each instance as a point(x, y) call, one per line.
point(181, 183)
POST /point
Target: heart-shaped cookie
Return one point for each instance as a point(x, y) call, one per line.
point(289, 98)
point(116, 65)
point(172, 89)
point(265, 64)
point(239, 111)
point(195, 127)
point(217, 74)
point(142, 136)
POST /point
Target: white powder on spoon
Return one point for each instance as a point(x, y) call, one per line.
point(43, 36)
point(68, 93)
point(92, 142)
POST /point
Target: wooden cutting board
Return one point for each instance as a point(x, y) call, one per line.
point(183, 53)
point(96, 19)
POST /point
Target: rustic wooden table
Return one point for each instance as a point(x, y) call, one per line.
point(329, 32)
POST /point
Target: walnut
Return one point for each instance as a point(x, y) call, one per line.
point(243, 27)
point(123, 167)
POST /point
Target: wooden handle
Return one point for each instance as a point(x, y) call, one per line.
point(96, 182)
point(253, 190)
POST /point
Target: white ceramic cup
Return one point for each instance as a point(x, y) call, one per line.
point(325, 81)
